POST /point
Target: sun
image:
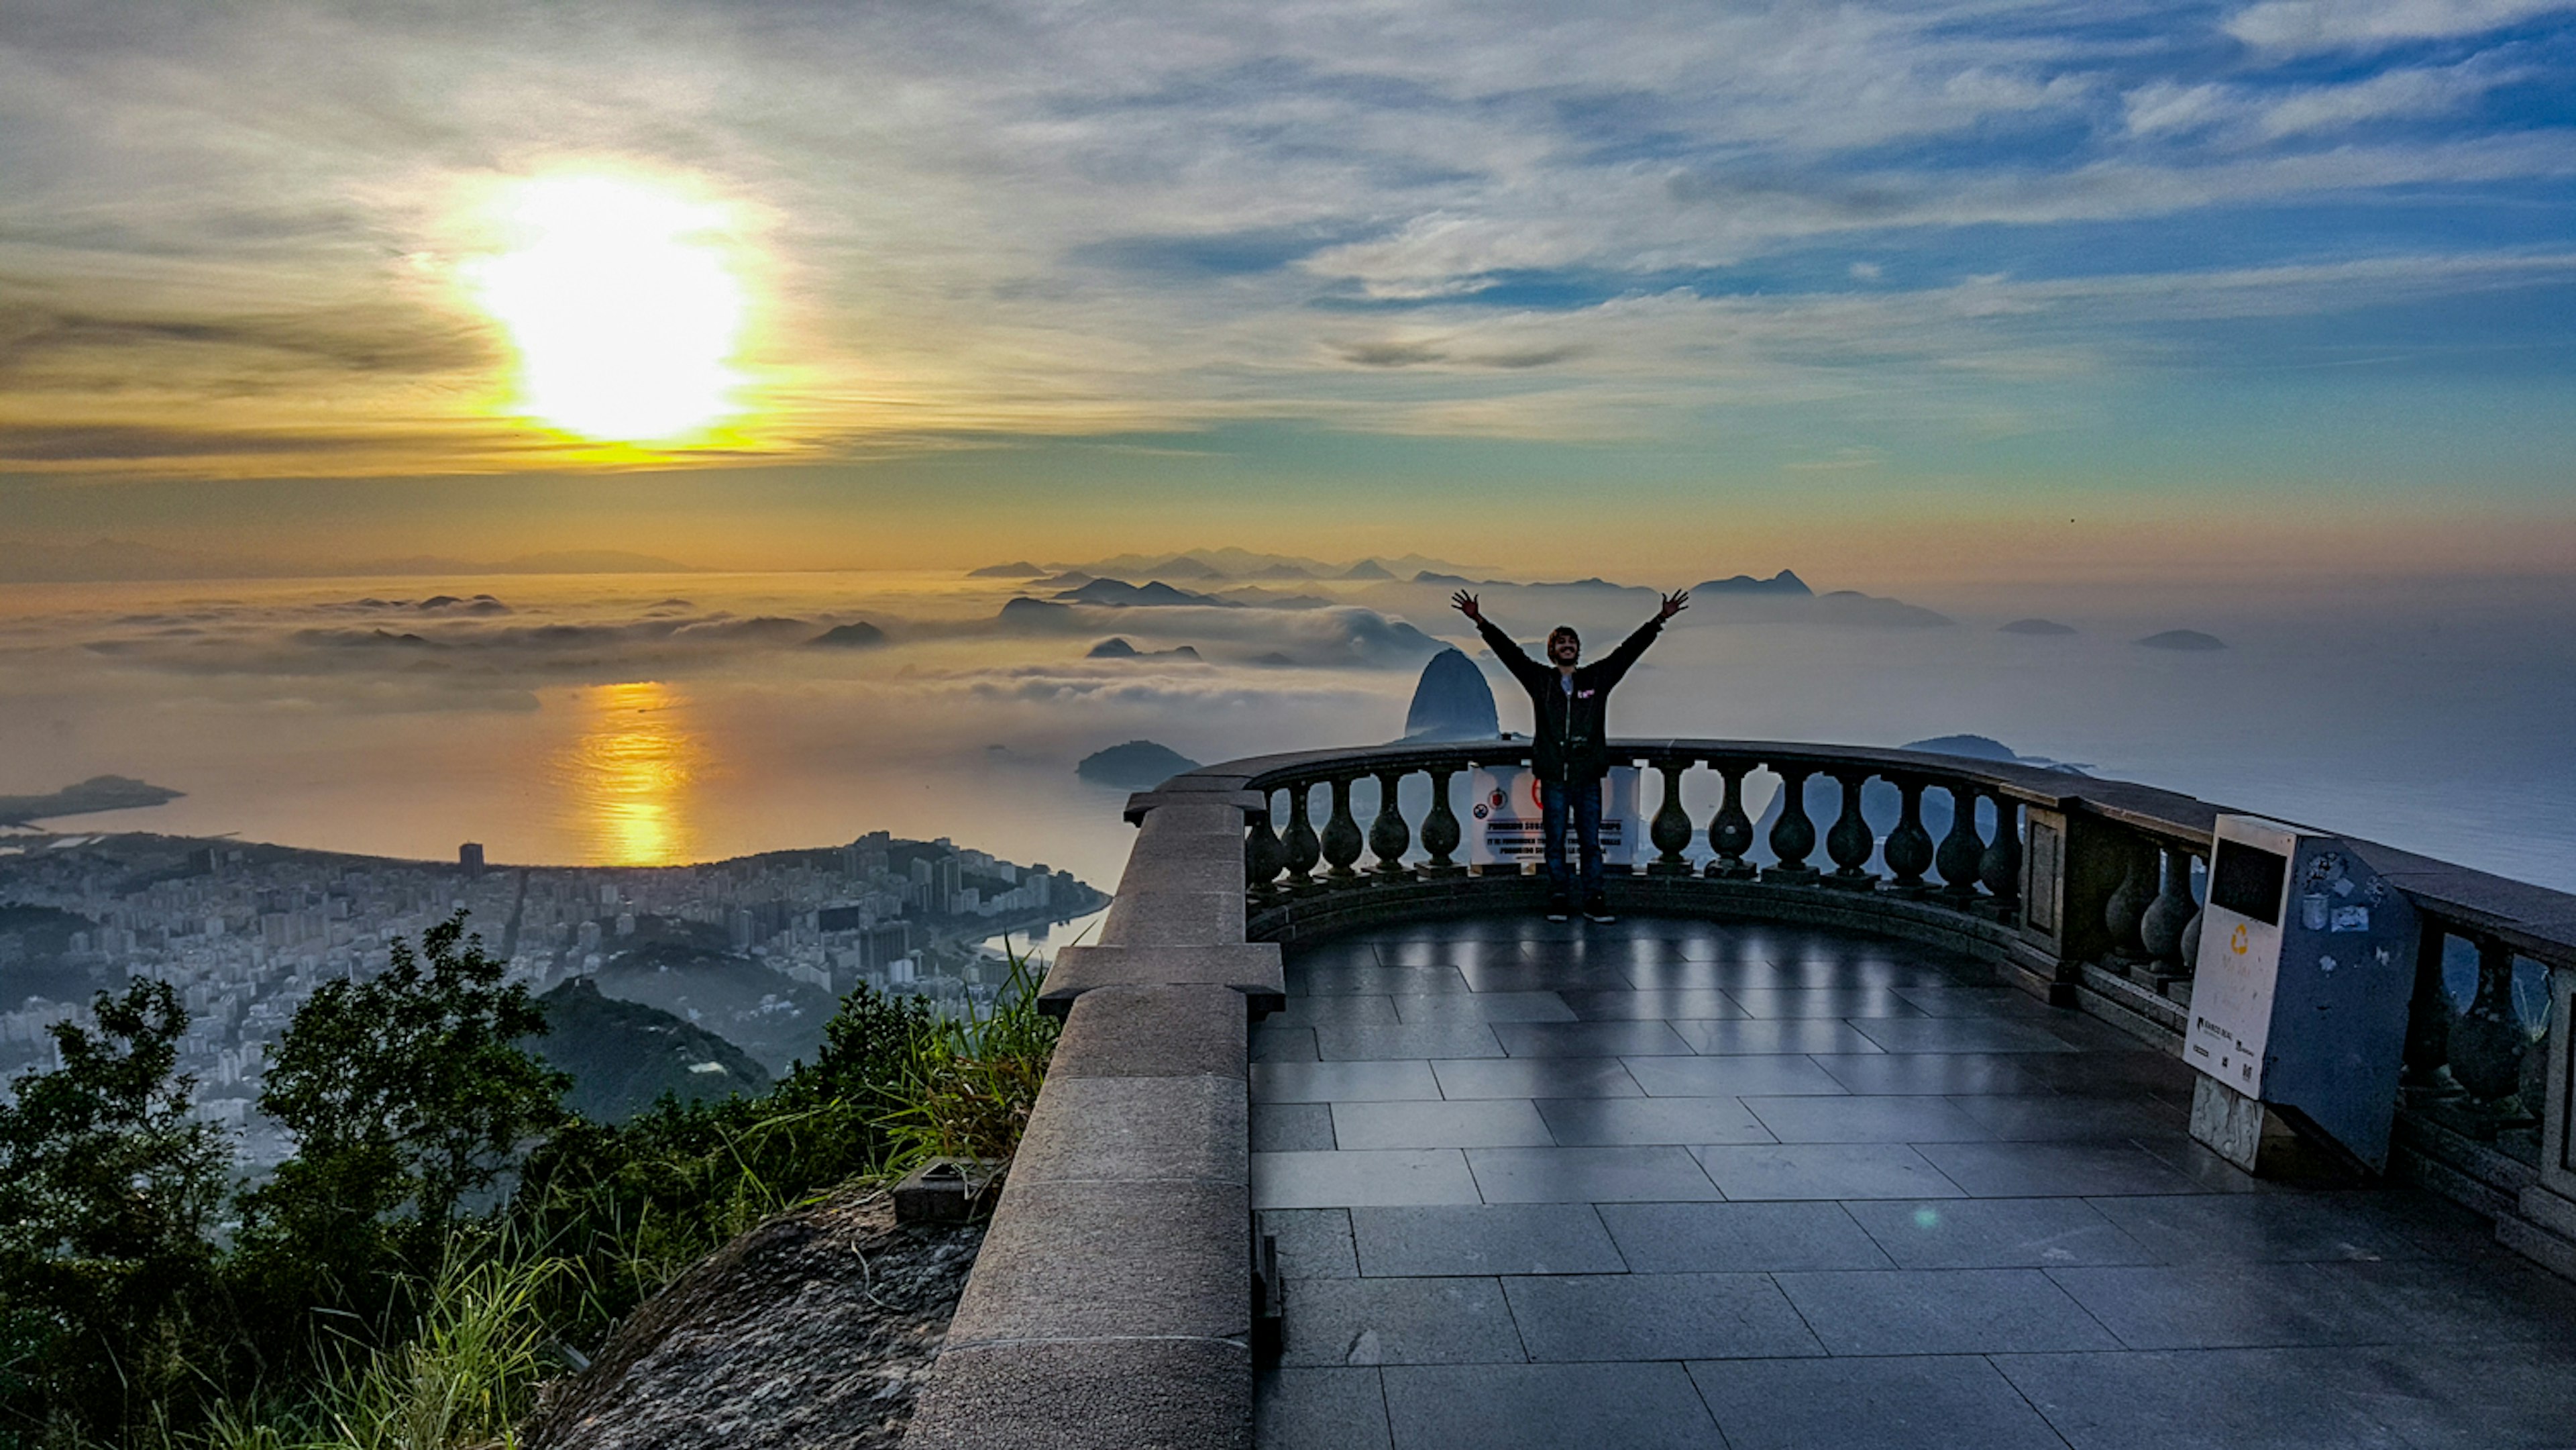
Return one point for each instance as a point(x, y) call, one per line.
point(625, 304)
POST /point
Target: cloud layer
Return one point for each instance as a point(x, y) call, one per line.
point(234, 235)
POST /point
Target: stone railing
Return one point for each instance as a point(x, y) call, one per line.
point(1114, 1299)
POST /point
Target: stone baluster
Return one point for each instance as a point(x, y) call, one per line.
point(1304, 849)
point(2487, 1038)
point(1263, 854)
point(1909, 846)
point(1961, 851)
point(2191, 923)
point(2126, 908)
point(1671, 831)
point(1851, 841)
point(2160, 926)
point(2000, 867)
point(1341, 840)
point(1440, 833)
point(1793, 835)
point(1389, 837)
point(1730, 835)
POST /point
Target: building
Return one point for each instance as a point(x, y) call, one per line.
point(470, 856)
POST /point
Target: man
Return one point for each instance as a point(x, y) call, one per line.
point(1570, 739)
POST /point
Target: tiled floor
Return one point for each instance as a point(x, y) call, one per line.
point(1674, 1183)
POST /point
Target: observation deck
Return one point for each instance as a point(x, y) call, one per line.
point(1345, 1145)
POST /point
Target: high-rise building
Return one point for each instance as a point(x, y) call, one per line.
point(470, 856)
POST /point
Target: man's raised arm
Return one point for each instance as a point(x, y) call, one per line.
point(1514, 658)
point(1615, 665)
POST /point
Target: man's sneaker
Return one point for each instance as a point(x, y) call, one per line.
point(1597, 909)
point(1556, 909)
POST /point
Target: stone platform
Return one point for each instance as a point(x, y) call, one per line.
point(1680, 1183)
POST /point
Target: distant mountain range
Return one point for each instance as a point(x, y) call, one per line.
point(27, 561)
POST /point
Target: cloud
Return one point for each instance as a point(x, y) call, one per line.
point(2300, 25)
point(970, 222)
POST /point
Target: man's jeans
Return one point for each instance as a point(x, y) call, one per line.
point(1584, 800)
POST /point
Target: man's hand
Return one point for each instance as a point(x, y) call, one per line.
point(1466, 604)
point(1675, 603)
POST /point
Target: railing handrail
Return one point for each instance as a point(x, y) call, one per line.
point(2535, 921)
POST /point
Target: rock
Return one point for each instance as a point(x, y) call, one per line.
point(1783, 582)
point(1118, 593)
point(1136, 765)
point(2182, 639)
point(858, 634)
point(2035, 626)
point(1452, 701)
point(815, 1328)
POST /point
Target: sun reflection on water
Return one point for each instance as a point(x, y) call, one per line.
point(629, 778)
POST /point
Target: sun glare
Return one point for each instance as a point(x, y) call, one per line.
point(624, 304)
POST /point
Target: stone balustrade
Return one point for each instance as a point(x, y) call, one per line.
point(2083, 891)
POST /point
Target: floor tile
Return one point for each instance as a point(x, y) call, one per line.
point(1344, 1179)
point(2444, 1398)
point(1670, 1004)
point(2275, 1399)
point(1937, 1072)
point(1300, 1407)
point(1548, 1407)
point(1961, 1034)
point(1494, 1123)
point(1949, 1311)
point(1590, 1039)
point(2041, 1118)
point(2115, 1074)
point(1589, 1122)
point(1824, 1002)
point(1773, 1035)
point(1997, 1233)
point(1677, 1238)
point(1343, 981)
point(1406, 1040)
point(1899, 1119)
point(1978, 1002)
point(1588, 1175)
point(1451, 951)
point(1909, 1403)
point(1397, 1321)
point(1540, 975)
point(1536, 1077)
point(1345, 951)
point(1314, 1243)
point(1292, 1127)
point(2232, 1227)
point(1713, 1077)
point(2504, 1301)
point(1484, 1007)
point(1656, 1316)
point(2231, 1306)
point(1822, 1170)
point(1502, 1238)
point(2054, 1170)
point(1273, 1042)
point(1341, 1082)
point(1354, 1010)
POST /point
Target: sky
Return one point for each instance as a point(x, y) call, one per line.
point(1925, 292)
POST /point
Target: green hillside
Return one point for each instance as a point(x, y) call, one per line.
point(623, 1055)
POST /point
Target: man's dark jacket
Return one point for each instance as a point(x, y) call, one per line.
point(1571, 736)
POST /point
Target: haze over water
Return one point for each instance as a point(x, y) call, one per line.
point(669, 718)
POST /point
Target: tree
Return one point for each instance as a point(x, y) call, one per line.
point(408, 1095)
point(108, 1188)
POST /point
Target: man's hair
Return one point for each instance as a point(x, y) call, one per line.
point(1565, 631)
